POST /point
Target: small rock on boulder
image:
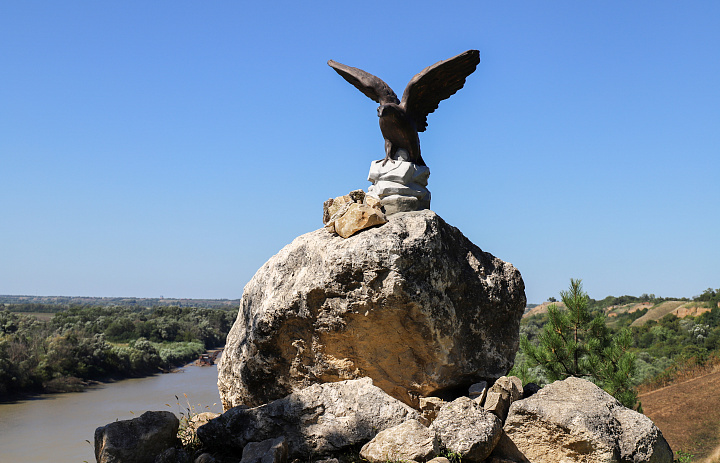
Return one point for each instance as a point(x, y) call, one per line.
point(139, 440)
point(574, 420)
point(407, 441)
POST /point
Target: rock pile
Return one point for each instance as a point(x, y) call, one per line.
point(568, 421)
point(412, 304)
point(348, 214)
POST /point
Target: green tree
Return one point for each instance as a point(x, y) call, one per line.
point(576, 343)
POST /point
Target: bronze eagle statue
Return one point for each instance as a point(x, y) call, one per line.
point(400, 121)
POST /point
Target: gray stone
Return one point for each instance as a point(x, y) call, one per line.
point(477, 391)
point(267, 451)
point(574, 420)
point(439, 460)
point(466, 428)
point(407, 441)
point(396, 203)
point(139, 440)
point(319, 420)
point(412, 304)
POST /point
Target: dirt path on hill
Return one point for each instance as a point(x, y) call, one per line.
point(688, 414)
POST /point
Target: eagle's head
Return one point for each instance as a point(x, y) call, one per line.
point(388, 110)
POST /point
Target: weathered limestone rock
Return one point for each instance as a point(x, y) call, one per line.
point(138, 440)
point(505, 391)
point(497, 403)
point(574, 420)
point(319, 420)
point(466, 428)
point(506, 451)
point(358, 217)
point(412, 304)
point(429, 408)
point(267, 451)
point(410, 440)
point(347, 215)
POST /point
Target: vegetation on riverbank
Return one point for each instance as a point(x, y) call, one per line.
point(81, 344)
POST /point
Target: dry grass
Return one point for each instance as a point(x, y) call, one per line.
point(688, 414)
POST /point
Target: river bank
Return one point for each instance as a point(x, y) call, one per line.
point(60, 427)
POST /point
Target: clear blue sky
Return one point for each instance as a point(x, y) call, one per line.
point(172, 147)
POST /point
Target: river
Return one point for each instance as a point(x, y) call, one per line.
point(56, 427)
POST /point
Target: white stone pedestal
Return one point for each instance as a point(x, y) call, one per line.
point(399, 185)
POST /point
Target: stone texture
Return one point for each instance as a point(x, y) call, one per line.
point(412, 304)
point(358, 217)
point(510, 385)
point(497, 403)
point(506, 451)
point(319, 420)
point(504, 392)
point(466, 428)
point(267, 451)
point(139, 440)
point(575, 421)
point(410, 440)
point(429, 408)
point(396, 203)
point(349, 214)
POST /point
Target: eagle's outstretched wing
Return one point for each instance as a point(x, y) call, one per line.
point(435, 83)
point(373, 87)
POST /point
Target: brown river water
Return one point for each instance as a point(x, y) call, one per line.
point(55, 427)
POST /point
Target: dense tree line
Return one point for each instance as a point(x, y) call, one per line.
point(91, 343)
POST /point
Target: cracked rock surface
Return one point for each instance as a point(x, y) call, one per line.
point(412, 304)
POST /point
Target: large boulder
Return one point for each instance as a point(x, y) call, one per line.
point(412, 304)
point(322, 419)
point(139, 440)
point(574, 420)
